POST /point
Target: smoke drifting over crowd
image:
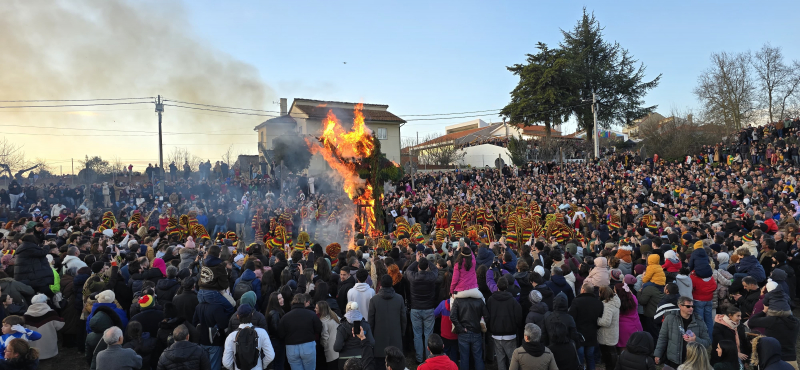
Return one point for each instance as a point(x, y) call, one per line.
point(87, 49)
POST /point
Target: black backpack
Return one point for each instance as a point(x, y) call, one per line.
point(247, 352)
point(241, 288)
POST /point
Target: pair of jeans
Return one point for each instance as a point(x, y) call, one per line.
point(503, 349)
point(422, 322)
point(214, 356)
point(215, 297)
point(218, 229)
point(586, 356)
point(470, 344)
point(703, 308)
point(302, 356)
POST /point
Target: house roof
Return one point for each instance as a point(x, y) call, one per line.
point(536, 130)
point(282, 120)
point(344, 114)
point(462, 136)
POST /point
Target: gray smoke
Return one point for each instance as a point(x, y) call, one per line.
point(83, 49)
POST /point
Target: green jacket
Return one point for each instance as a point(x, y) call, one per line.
point(56, 287)
point(670, 338)
point(649, 298)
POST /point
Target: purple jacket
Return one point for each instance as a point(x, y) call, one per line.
point(629, 323)
point(463, 279)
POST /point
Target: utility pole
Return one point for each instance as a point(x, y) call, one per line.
point(159, 110)
point(596, 133)
point(73, 170)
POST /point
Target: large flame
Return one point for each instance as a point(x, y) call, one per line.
point(344, 151)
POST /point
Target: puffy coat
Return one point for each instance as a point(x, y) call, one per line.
point(166, 289)
point(670, 339)
point(748, 265)
point(346, 344)
point(328, 338)
point(649, 298)
point(629, 323)
point(636, 355)
point(16, 290)
point(654, 272)
point(184, 355)
point(384, 310)
point(42, 319)
point(521, 359)
point(769, 356)
point(600, 274)
point(103, 318)
point(608, 333)
point(703, 288)
point(463, 279)
point(423, 283)
point(698, 263)
point(123, 317)
point(214, 275)
point(784, 329)
point(536, 314)
point(30, 265)
point(586, 309)
point(187, 257)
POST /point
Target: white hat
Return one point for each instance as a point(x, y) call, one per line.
point(238, 258)
point(106, 296)
point(108, 232)
point(539, 270)
point(771, 285)
point(39, 298)
point(352, 306)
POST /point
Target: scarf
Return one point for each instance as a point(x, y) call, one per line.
point(534, 349)
point(725, 320)
point(354, 315)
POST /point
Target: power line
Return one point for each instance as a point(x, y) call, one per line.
point(446, 114)
point(73, 105)
point(223, 107)
point(121, 131)
point(223, 111)
point(71, 100)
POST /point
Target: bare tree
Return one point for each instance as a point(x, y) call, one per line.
point(228, 156)
point(181, 156)
point(117, 165)
point(438, 150)
point(673, 137)
point(777, 80)
point(727, 90)
point(12, 157)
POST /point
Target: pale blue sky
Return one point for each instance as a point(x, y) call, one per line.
point(450, 56)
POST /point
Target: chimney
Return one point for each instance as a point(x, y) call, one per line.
point(283, 107)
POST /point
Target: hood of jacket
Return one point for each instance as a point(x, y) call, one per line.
point(485, 256)
point(354, 315)
point(601, 262)
point(778, 275)
point(684, 280)
point(248, 275)
point(640, 343)
point(560, 302)
point(653, 259)
point(547, 293)
point(362, 287)
point(502, 295)
point(559, 280)
point(768, 351)
point(670, 255)
point(212, 261)
point(166, 284)
point(540, 308)
point(386, 293)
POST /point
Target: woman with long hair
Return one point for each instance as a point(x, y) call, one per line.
point(629, 322)
point(267, 287)
point(286, 290)
point(140, 342)
point(465, 279)
point(19, 355)
point(608, 331)
point(330, 324)
point(274, 313)
point(323, 270)
point(727, 355)
point(322, 294)
point(729, 327)
point(696, 358)
point(377, 269)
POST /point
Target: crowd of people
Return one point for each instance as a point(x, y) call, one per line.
point(628, 262)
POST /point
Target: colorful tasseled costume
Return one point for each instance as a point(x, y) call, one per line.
point(383, 243)
point(136, 220)
point(441, 217)
point(279, 240)
point(333, 250)
point(108, 222)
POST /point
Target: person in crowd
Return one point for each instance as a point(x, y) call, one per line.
point(261, 350)
point(587, 311)
point(532, 354)
point(19, 355)
point(637, 353)
point(505, 316)
point(387, 318)
point(609, 328)
point(422, 276)
point(466, 315)
point(767, 354)
point(747, 298)
point(210, 320)
point(183, 354)
point(680, 327)
point(330, 326)
point(274, 315)
point(703, 289)
point(562, 346)
point(42, 319)
point(728, 327)
point(115, 356)
point(361, 292)
point(727, 356)
point(629, 322)
point(783, 328)
point(298, 330)
point(395, 360)
point(438, 360)
point(696, 358)
point(348, 344)
point(141, 342)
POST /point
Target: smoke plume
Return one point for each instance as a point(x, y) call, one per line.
point(83, 49)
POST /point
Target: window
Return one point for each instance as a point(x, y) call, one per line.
point(382, 134)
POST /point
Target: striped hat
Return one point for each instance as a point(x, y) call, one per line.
point(748, 237)
point(146, 301)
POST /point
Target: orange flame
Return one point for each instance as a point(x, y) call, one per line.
point(343, 151)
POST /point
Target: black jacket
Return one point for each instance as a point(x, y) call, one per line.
point(466, 313)
point(423, 286)
point(722, 332)
point(558, 284)
point(784, 329)
point(184, 355)
point(536, 314)
point(150, 318)
point(637, 354)
point(207, 316)
point(344, 287)
point(213, 274)
point(185, 303)
point(505, 314)
point(586, 309)
point(299, 326)
point(385, 308)
point(31, 266)
point(166, 289)
point(547, 295)
point(559, 314)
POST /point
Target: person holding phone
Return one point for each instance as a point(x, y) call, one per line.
point(348, 343)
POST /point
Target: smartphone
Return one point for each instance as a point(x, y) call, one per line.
point(356, 327)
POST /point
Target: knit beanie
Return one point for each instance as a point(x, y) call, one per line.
point(39, 298)
point(639, 269)
point(716, 247)
point(616, 275)
point(386, 281)
point(771, 285)
point(97, 267)
point(780, 257)
point(106, 296)
point(146, 302)
point(629, 279)
point(539, 270)
point(535, 297)
point(352, 306)
point(189, 243)
point(698, 245)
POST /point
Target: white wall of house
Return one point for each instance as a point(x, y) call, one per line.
point(484, 155)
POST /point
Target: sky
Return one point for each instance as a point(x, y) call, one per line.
point(419, 57)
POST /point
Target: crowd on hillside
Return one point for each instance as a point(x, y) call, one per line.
point(539, 147)
point(627, 261)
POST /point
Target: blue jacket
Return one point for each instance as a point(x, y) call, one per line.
point(749, 265)
point(510, 266)
point(120, 312)
point(485, 257)
point(249, 275)
point(698, 262)
point(558, 284)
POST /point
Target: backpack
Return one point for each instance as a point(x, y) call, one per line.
point(247, 353)
point(241, 288)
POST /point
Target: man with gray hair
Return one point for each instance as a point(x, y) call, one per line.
point(533, 354)
point(115, 357)
point(183, 354)
point(72, 259)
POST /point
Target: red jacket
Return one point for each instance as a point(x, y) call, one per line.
point(441, 362)
point(672, 266)
point(771, 225)
point(703, 290)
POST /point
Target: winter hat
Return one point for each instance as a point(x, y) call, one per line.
point(629, 279)
point(238, 257)
point(539, 270)
point(698, 245)
point(352, 306)
point(639, 269)
point(170, 311)
point(716, 247)
point(535, 297)
point(146, 302)
point(616, 275)
point(106, 296)
point(670, 255)
point(244, 310)
point(748, 237)
point(386, 281)
point(189, 243)
point(39, 298)
point(248, 298)
point(780, 257)
point(771, 285)
point(97, 267)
